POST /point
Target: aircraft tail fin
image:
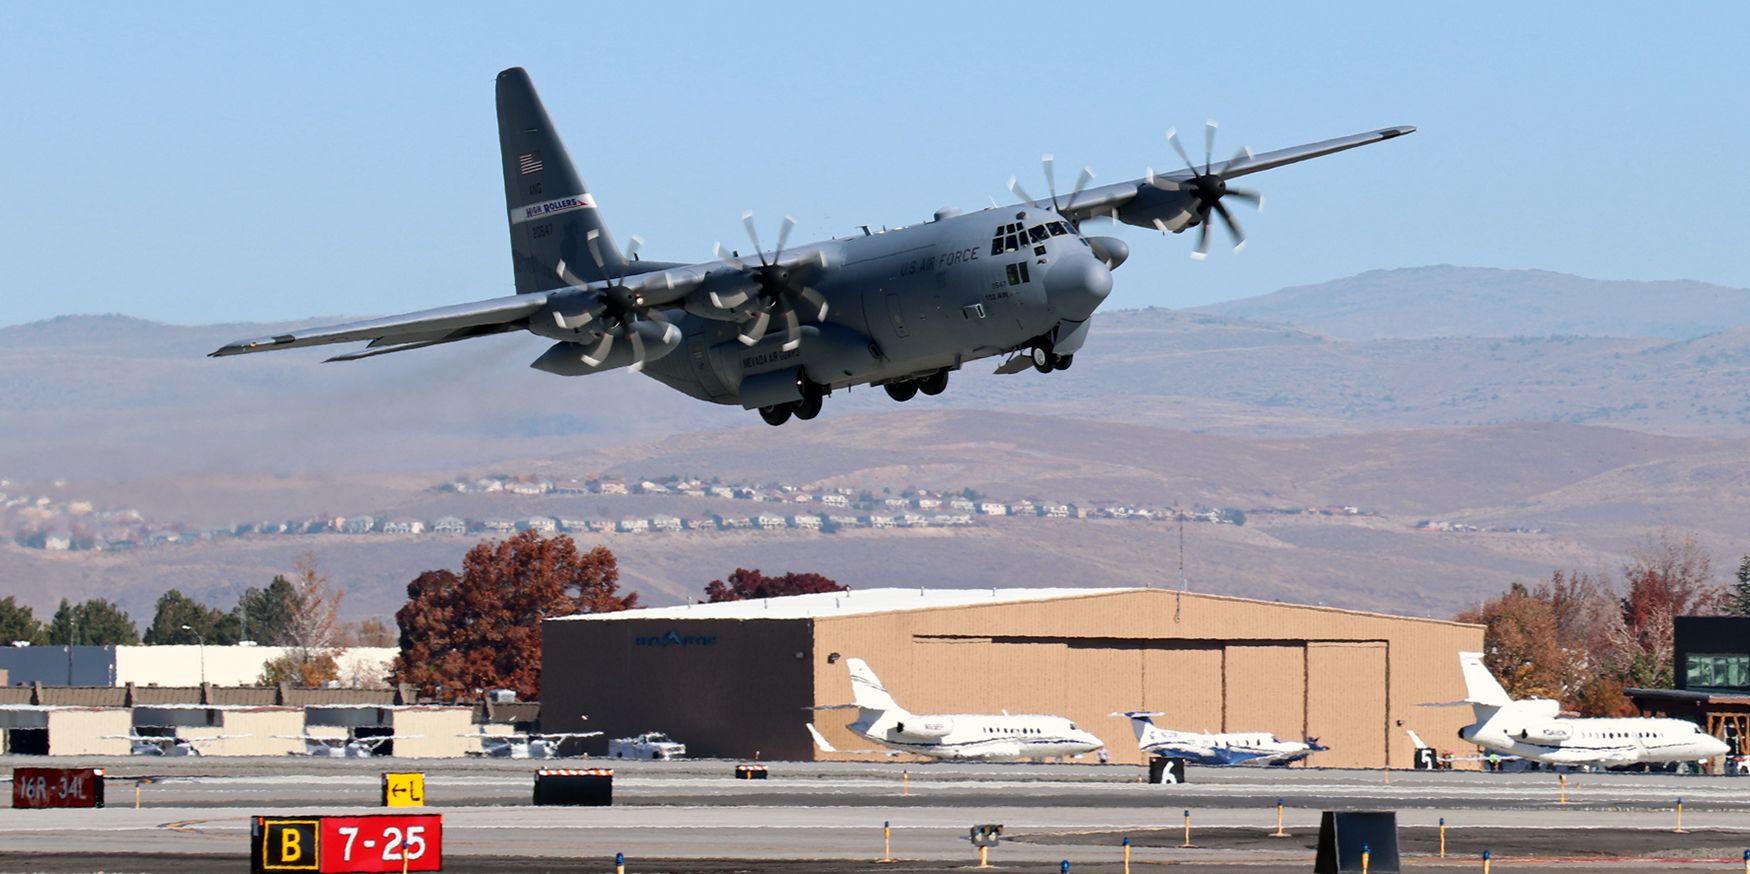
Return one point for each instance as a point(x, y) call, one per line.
point(1142, 724)
point(1481, 687)
point(1416, 739)
point(553, 218)
point(867, 691)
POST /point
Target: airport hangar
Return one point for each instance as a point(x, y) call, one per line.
point(738, 679)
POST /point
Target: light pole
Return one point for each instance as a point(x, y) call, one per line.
point(203, 644)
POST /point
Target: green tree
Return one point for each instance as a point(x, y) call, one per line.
point(270, 614)
point(17, 622)
point(1738, 599)
point(181, 619)
point(96, 622)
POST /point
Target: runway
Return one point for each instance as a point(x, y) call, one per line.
point(693, 816)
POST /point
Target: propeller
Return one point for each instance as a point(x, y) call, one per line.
point(617, 314)
point(1207, 188)
point(782, 289)
point(1048, 163)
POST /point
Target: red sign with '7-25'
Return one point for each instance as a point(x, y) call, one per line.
point(382, 843)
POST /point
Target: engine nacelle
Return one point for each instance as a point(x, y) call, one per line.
point(569, 359)
point(921, 728)
point(1552, 732)
point(1160, 210)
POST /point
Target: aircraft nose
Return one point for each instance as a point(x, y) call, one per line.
point(1077, 284)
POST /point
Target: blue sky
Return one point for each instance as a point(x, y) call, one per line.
point(203, 163)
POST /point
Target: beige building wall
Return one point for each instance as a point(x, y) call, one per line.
point(1209, 662)
point(90, 732)
point(442, 732)
point(265, 731)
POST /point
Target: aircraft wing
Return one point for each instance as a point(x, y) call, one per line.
point(1106, 200)
point(411, 330)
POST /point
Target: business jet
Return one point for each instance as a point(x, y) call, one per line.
point(1223, 748)
point(1534, 729)
point(984, 737)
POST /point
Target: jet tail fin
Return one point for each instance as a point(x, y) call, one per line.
point(1481, 687)
point(1416, 739)
point(553, 217)
point(867, 691)
point(1142, 723)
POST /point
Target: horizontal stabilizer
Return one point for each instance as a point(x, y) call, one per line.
point(820, 739)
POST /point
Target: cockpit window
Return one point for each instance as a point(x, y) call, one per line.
point(1038, 233)
point(1058, 229)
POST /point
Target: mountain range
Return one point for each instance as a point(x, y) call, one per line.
point(1485, 398)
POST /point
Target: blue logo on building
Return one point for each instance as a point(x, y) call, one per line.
point(675, 638)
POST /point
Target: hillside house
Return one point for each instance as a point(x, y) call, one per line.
point(403, 525)
point(539, 525)
point(769, 522)
point(665, 523)
point(448, 525)
point(993, 508)
point(634, 526)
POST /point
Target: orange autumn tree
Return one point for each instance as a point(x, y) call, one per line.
point(481, 629)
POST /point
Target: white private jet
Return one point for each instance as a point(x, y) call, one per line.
point(953, 736)
point(1217, 748)
point(1535, 729)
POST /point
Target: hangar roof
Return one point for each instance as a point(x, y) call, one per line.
point(827, 604)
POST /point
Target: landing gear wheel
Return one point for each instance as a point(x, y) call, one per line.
point(809, 406)
point(934, 384)
point(776, 415)
point(1042, 359)
point(1063, 361)
point(902, 391)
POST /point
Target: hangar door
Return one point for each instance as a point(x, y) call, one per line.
point(1346, 702)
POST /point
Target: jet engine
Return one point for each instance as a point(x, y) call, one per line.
point(922, 729)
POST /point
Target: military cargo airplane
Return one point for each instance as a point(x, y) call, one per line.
point(780, 330)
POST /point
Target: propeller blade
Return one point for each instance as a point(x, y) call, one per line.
point(1202, 250)
point(1082, 180)
point(1244, 154)
point(594, 241)
point(754, 235)
point(595, 356)
point(1247, 195)
point(756, 333)
point(1173, 140)
point(637, 350)
point(731, 301)
point(1016, 189)
point(1047, 161)
point(572, 323)
point(1233, 227)
point(792, 330)
point(816, 302)
point(569, 278)
point(783, 235)
point(1209, 146)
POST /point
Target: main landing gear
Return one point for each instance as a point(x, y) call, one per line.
point(932, 384)
point(804, 409)
point(1045, 360)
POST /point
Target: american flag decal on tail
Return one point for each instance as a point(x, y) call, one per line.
point(530, 163)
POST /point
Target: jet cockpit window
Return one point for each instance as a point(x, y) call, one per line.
point(1008, 238)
